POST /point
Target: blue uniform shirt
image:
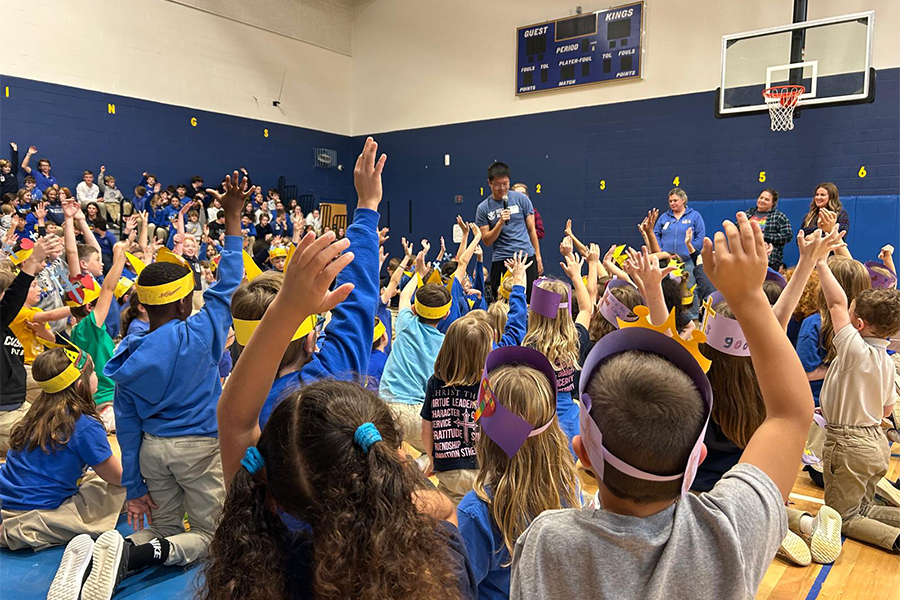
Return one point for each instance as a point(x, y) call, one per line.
point(514, 235)
point(810, 351)
point(34, 479)
point(411, 362)
point(670, 231)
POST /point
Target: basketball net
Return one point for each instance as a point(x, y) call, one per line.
point(782, 100)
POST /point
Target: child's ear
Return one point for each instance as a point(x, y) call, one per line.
point(703, 453)
point(580, 452)
point(309, 343)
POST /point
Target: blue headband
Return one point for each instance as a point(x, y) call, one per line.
point(366, 435)
point(253, 460)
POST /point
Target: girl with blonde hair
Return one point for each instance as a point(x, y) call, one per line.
point(520, 476)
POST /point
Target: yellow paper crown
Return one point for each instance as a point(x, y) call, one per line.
point(19, 257)
point(668, 328)
point(69, 375)
point(250, 267)
point(432, 312)
point(379, 330)
point(90, 291)
point(290, 254)
point(137, 264)
point(277, 251)
point(167, 256)
point(619, 255)
point(156, 295)
point(243, 329)
point(435, 277)
point(123, 286)
point(688, 300)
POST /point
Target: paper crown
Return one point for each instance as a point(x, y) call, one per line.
point(214, 263)
point(504, 293)
point(643, 337)
point(612, 308)
point(81, 290)
point(773, 275)
point(722, 333)
point(688, 300)
point(432, 313)
point(72, 373)
point(379, 330)
point(167, 256)
point(250, 267)
point(619, 255)
point(137, 265)
point(669, 329)
point(166, 293)
point(277, 252)
point(547, 303)
point(243, 329)
point(882, 278)
point(21, 255)
point(434, 277)
point(123, 286)
point(505, 428)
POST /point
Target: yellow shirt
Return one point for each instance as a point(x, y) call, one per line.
point(26, 334)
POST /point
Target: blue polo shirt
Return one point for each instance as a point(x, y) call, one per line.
point(514, 235)
point(41, 182)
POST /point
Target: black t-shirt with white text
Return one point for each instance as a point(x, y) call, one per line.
point(451, 411)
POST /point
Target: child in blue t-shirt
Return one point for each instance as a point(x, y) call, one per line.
point(51, 447)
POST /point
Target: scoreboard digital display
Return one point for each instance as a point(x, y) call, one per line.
point(582, 50)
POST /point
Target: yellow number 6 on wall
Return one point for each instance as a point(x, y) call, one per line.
point(862, 171)
point(193, 121)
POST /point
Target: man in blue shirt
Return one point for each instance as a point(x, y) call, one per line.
point(42, 176)
point(506, 220)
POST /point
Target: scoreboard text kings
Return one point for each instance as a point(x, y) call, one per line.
point(597, 47)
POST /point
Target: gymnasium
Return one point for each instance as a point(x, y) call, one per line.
point(532, 125)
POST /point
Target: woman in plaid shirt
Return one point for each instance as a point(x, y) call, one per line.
point(774, 223)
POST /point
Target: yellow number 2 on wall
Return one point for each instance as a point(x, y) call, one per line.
point(676, 181)
point(762, 176)
point(862, 171)
point(193, 121)
point(537, 189)
point(265, 133)
point(602, 184)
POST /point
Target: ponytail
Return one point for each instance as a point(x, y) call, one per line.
point(245, 553)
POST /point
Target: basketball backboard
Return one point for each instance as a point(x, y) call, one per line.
point(831, 58)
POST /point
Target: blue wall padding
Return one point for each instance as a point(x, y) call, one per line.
point(74, 130)
point(637, 148)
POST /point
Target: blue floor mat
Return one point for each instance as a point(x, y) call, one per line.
point(26, 575)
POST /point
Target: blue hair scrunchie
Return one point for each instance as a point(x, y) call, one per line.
point(366, 435)
point(253, 460)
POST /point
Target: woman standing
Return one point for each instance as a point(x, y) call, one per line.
point(826, 210)
point(774, 223)
point(674, 223)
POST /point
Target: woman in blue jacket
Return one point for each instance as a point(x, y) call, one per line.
point(673, 224)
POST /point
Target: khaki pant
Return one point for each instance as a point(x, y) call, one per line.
point(856, 458)
point(456, 483)
point(161, 233)
point(815, 440)
point(8, 420)
point(183, 474)
point(32, 389)
point(409, 418)
point(111, 210)
point(93, 510)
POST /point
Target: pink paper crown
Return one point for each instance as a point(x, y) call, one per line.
point(722, 333)
point(612, 308)
point(879, 278)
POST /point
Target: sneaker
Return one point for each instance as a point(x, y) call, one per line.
point(73, 569)
point(108, 416)
point(825, 541)
point(109, 566)
point(893, 435)
point(794, 549)
point(888, 491)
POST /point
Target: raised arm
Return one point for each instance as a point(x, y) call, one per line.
point(595, 270)
point(408, 291)
point(465, 236)
point(572, 266)
point(610, 264)
point(737, 268)
point(313, 267)
point(466, 256)
point(644, 270)
point(887, 257)
point(70, 209)
point(834, 294)
point(25, 161)
point(397, 275)
point(107, 291)
point(576, 243)
point(646, 228)
point(813, 247)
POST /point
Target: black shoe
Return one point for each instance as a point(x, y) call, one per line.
point(816, 476)
point(110, 563)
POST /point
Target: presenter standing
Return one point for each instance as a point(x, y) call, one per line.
point(506, 220)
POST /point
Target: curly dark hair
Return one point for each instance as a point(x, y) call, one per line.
point(369, 540)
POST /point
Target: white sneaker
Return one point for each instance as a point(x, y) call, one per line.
point(73, 567)
point(110, 562)
point(108, 416)
point(888, 492)
point(794, 549)
point(825, 540)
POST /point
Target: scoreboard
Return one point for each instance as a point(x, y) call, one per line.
point(584, 49)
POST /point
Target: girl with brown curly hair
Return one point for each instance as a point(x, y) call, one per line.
point(329, 457)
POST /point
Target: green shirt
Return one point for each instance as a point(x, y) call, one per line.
point(95, 341)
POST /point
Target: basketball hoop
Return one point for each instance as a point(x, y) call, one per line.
point(782, 100)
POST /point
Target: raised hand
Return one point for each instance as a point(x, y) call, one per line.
point(235, 193)
point(40, 212)
point(462, 224)
point(313, 268)
point(426, 246)
point(421, 269)
point(32, 150)
point(644, 270)
point(382, 256)
point(572, 266)
point(887, 252)
point(518, 267)
point(738, 265)
point(443, 249)
point(652, 217)
point(565, 247)
point(476, 231)
point(14, 146)
point(407, 247)
point(593, 254)
point(71, 209)
point(568, 227)
point(102, 169)
point(688, 236)
point(367, 175)
point(479, 253)
point(383, 236)
point(827, 219)
point(47, 247)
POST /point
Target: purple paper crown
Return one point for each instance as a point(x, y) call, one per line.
point(773, 275)
point(507, 429)
point(547, 303)
point(643, 340)
point(722, 333)
point(880, 279)
point(612, 308)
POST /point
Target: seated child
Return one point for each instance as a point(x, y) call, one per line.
point(520, 474)
point(713, 545)
point(47, 498)
point(857, 394)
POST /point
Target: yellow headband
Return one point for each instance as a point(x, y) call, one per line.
point(688, 300)
point(379, 330)
point(432, 312)
point(243, 330)
point(69, 375)
point(156, 295)
point(123, 286)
